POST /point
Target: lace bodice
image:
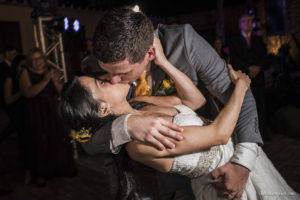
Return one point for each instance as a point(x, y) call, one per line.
point(194, 164)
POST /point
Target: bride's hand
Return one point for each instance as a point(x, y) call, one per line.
point(239, 76)
point(232, 73)
point(160, 57)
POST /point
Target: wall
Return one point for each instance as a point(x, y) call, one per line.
point(21, 13)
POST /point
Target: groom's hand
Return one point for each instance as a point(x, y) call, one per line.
point(234, 180)
point(153, 129)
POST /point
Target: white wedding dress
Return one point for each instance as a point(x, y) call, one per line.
point(264, 183)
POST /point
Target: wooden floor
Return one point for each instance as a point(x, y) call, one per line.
point(89, 183)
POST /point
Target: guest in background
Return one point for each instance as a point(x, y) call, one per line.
point(248, 54)
point(222, 52)
point(289, 68)
point(9, 54)
point(14, 105)
point(51, 153)
point(89, 47)
point(5, 65)
point(89, 64)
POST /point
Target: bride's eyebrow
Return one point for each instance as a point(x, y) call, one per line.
point(101, 78)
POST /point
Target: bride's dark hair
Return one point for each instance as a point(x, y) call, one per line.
point(79, 109)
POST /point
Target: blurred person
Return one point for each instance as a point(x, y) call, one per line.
point(219, 47)
point(89, 64)
point(11, 86)
point(5, 65)
point(15, 105)
point(89, 47)
point(51, 151)
point(9, 54)
point(287, 63)
point(248, 53)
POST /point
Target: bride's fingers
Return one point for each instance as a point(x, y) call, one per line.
point(232, 73)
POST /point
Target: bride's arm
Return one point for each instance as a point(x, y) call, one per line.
point(187, 93)
point(195, 137)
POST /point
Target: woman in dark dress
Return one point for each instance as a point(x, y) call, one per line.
point(52, 153)
point(14, 106)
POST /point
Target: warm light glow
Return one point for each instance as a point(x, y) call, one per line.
point(136, 8)
point(273, 43)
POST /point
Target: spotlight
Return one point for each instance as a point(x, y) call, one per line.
point(66, 23)
point(76, 25)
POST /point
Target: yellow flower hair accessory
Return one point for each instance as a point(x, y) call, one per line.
point(167, 83)
point(82, 136)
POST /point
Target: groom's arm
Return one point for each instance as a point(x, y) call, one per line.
point(100, 141)
point(151, 129)
point(212, 71)
point(109, 138)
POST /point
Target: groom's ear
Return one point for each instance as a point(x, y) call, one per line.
point(104, 109)
point(151, 53)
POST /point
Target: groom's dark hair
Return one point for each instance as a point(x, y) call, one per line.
point(123, 33)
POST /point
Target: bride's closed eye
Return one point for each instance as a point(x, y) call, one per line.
point(101, 82)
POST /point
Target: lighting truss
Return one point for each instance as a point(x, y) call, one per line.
point(50, 41)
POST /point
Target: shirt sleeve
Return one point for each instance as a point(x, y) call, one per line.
point(245, 154)
point(119, 134)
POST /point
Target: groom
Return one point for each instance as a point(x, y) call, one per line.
point(123, 45)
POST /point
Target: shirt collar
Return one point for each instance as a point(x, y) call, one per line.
point(7, 62)
point(245, 34)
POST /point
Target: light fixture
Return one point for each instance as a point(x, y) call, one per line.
point(136, 8)
point(66, 23)
point(76, 25)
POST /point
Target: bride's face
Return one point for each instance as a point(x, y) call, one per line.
point(104, 91)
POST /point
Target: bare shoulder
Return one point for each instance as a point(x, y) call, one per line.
point(139, 151)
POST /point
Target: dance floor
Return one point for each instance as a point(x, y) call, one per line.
point(89, 183)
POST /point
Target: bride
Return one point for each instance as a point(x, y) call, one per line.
point(87, 103)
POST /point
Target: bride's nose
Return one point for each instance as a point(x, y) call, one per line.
point(115, 79)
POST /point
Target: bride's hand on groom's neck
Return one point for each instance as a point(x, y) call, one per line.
point(160, 58)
